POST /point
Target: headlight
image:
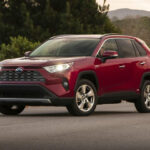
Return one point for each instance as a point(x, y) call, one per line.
point(58, 68)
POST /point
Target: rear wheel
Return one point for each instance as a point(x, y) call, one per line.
point(11, 109)
point(143, 103)
point(85, 99)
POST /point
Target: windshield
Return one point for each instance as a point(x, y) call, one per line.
point(66, 48)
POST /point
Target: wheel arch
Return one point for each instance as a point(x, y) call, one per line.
point(89, 75)
point(146, 76)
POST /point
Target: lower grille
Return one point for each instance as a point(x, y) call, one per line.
point(23, 91)
point(26, 75)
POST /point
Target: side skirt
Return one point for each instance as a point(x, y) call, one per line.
point(117, 97)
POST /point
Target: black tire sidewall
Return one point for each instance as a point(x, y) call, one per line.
point(4, 109)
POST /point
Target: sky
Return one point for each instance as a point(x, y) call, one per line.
point(132, 4)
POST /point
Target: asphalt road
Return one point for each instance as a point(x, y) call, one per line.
point(111, 127)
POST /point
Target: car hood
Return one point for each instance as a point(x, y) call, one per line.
point(36, 61)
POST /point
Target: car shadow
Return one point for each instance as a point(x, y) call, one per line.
point(97, 113)
point(66, 114)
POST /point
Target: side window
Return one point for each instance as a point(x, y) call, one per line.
point(140, 49)
point(109, 45)
point(126, 48)
point(136, 50)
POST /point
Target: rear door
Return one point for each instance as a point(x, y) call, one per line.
point(140, 64)
point(128, 57)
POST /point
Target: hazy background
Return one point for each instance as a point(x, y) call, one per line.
point(132, 4)
point(132, 17)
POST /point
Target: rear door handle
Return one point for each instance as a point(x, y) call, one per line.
point(122, 66)
point(142, 63)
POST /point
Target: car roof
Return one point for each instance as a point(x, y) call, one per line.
point(97, 36)
point(78, 36)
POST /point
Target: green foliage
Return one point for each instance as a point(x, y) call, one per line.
point(39, 19)
point(17, 47)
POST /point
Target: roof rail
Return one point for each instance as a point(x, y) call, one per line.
point(107, 34)
point(59, 36)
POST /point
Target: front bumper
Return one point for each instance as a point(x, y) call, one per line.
point(36, 102)
point(31, 95)
point(31, 75)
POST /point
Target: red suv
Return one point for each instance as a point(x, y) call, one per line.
point(79, 72)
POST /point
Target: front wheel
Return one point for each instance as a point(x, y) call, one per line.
point(11, 109)
point(143, 103)
point(85, 99)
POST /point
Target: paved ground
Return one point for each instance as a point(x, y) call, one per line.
point(111, 127)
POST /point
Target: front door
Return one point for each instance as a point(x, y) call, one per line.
point(115, 74)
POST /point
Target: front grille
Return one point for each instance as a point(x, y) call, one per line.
point(26, 75)
point(25, 67)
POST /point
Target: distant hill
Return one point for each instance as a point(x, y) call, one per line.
point(123, 13)
point(139, 26)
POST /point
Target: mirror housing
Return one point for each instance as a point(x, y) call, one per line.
point(26, 54)
point(109, 54)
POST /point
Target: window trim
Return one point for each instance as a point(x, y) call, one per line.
point(117, 46)
point(138, 48)
point(106, 41)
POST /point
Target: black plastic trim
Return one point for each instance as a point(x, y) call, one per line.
point(87, 73)
point(25, 101)
point(117, 97)
point(146, 74)
point(55, 100)
point(36, 102)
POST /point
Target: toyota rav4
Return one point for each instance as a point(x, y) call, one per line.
point(79, 72)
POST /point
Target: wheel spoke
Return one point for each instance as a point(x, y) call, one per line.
point(148, 89)
point(84, 89)
point(81, 106)
point(79, 95)
point(89, 104)
point(90, 93)
point(146, 102)
point(145, 94)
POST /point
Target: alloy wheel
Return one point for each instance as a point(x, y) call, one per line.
point(85, 98)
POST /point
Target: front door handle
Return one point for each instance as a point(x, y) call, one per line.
point(142, 63)
point(122, 66)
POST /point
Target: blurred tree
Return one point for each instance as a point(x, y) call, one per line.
point(39, 19)
point(17, 47)
point(104, 8)
point(69, 24)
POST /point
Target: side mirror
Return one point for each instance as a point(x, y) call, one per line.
point(26, 54)
point(109, 54)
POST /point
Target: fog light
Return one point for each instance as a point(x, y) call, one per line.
point(65, 84)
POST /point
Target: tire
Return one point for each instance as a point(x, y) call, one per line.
point(85, 99)
point(143, 103)
point(11, 109)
